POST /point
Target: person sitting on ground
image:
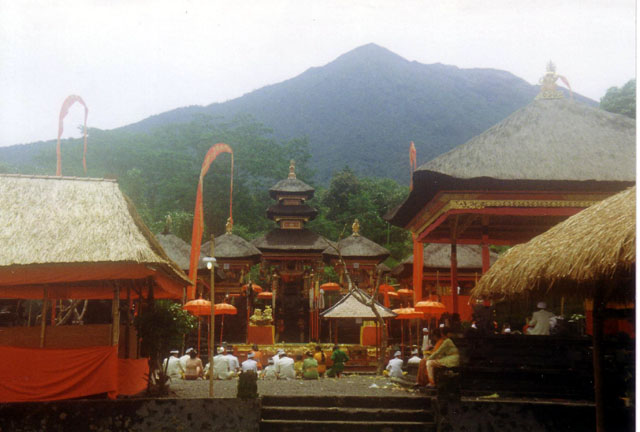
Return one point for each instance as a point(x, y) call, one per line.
point(422, 379)
point(394, 367)
point(414, 359)
point(540, 322)
point(194, 367)
point(310, 367)
point(276, 357)
point(269, 372)
point(221, 369)
point(446, 355)
point(321, 359)
point(250, 364)
point(185, 357)
point(297, 366)
point(234, 364)
point(172, 365)
point(284, 367)
point(339, 358)
point(257, 355)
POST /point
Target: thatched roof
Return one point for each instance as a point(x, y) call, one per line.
point(357, 246)
point(229, 246)
point(595, 245)
point(291, 240)
point(349, 307)
point(179, 251)
point(63, 229)
point(549, 145)
point(438, 255)
point(549, 139)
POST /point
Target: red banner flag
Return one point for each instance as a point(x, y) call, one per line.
point(70, 100)
point(566, 82)
point(198, 218)
point(413, 163)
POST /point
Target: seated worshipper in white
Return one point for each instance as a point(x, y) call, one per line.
point(395, 366)
point(415, 359)
point(234, 364)
point(185, 357)
point(221, 368)
point(540, 321)
point(285, 367)
point(250, 364)
point(269, 372)
point(276, 357)
point(172, 365)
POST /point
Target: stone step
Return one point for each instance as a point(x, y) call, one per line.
point(346, 426)
point(347, 414)
point(390, 402)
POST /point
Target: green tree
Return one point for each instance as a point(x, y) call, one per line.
point(621, 100)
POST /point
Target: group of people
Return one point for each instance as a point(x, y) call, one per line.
point(281, 366)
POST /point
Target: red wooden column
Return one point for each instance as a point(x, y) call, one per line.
point(418, 263)
point(486, 257)
point(454, 275)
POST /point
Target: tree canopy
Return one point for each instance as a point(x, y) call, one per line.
point(621, 100)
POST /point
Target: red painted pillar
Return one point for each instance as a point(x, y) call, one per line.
point(418, 263)
point(454, 276)
point(486, 257)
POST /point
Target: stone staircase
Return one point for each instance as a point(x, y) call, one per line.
point(347, 413)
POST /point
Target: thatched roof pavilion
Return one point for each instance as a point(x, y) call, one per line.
point(178, 250)
point(596, 246)
point(438, 256)
point(349, 307)
point(544, 163)
point(77, 237)
point(356, 247)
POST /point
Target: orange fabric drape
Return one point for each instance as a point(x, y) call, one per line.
point(132, 375)
point(198, 219)
point(413, 163)
point(51, 374)
point(64, 110)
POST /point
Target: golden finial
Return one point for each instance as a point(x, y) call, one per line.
point(548, 88)
point(355, 228)
point(292, 169)
point(167, 225)
point(228, 226)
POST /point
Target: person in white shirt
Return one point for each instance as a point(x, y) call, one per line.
point(234, 364)
point(185, 357)
point(172, 365)
point(285, 368)
point(276, 357)
point(250, 364)
point(269, 372)
point(425, 339)
point(221, 369)
point(540, 321)
point(415, 359)
point(395, 366)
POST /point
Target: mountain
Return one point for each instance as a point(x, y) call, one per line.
point(364, 108)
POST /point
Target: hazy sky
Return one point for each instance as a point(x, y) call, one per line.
point(134, 58)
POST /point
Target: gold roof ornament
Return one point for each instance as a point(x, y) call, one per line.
point(167, 225)
point(355, 228)
point(292, 169)
point(228, 227)
point(548, 87)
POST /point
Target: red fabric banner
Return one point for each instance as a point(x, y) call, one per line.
point(132, 376)
point(413, 163)
point(31, 374)
point(64, 110)
point(198, 219)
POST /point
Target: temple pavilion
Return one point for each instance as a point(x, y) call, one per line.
point(544, 163)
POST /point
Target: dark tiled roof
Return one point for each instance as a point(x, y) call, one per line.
point(291, 240)
point(357, 246)
point(231, 246)
point(291, 186)
point(301, 210)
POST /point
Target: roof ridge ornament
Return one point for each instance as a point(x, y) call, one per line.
point(548, 87)
point(355, 227)
point(228, 227)
point(167, 225)
point(292, 169)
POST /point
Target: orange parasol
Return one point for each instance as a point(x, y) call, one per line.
point(405, 292)
point(199, 307)
point(224, 309)
point(406, 314)
point(330, 286)
point(265, 295)
point(255, 287)
point(430, 307)
point(386, 291)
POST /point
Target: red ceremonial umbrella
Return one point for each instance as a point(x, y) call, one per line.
point(430, 307)
point(386, 290)
point(330, 286)
point(265, 295)
point(198, 307)
point(406, 314)
point(255, 287)
point(224, 309)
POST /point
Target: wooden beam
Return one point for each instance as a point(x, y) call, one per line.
point(43, 320)
point(115, 315)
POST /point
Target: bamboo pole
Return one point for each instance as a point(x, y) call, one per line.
point(213, 320)
point(598, 360)
point(43, 320)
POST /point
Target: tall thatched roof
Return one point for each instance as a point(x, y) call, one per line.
point(349, 307)
point(229, 246)
point(291, 186)
point(61, 229)
point(438, 255)
point(295, 240)
point(357, 246)
point(549, 145)
point(179, 251)
point(549, 139)
point(595, 245)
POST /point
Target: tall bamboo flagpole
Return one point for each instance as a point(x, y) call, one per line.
point(213, 320)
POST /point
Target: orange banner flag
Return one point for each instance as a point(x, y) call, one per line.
point(70, 100)
point(198, 214)
point(413, 163)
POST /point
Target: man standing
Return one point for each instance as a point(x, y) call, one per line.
point(172, 365)
point(540, 321)
point(395, 366)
